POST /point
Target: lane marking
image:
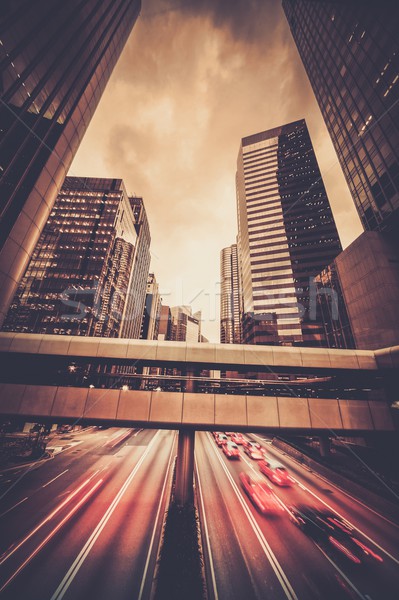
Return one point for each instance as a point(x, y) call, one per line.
point(348, 581)
point(334, 485)
point(15, 506)
point(147, 563)
point(52, 533)
point(259, 473)
point(206, 531)
point(51, 480)
point(277, 568)
point(47, 519)
point(81, 557)
point(347, 521)
point(304, 487)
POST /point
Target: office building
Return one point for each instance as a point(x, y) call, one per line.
point(230, 296)
point(185, 326)
point(365, 277)
point(82, 270)
point(351, 55)
point(152, 310)
point(134, 307)
point(286, 235)
point(164, 323)
point(56, 59)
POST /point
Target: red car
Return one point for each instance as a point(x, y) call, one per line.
point(276, 472)
point(253, 445)
point(260, 494)
point(231, 450)
point(253, 452)
point(237, 438)
point(221, 439)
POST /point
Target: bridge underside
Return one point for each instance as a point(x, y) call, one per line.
point(108, 381)
point(175, 410)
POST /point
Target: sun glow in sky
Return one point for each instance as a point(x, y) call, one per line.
point(194, 78)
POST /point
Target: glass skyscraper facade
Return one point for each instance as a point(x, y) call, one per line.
point(351, 55)
point(81, 274)
point(56, 58)
point(286, 235)
point(230, 296)
point(135, 301)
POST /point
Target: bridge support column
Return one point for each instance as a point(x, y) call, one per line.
point(184, 493)
point(324, 442)
point(190, 384)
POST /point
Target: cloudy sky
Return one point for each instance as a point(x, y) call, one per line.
point(195, 77)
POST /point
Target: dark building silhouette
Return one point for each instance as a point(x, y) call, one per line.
point(286, 234)
point(351, 55)
point(86, 266)
point(56, 58)
point(152, 310)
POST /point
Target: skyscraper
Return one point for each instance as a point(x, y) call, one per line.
point(230, 297)
point(286, 234)
point(152, 310)
point(83, 267)
point(185, 326)
point(135, 301)
point(56, 58)
point(351, 55)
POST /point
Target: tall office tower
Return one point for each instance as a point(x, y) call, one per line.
point(82, 269)
point(134, 306)
point(164, 323)
point(152, 310)
point(185, 326)
point(230, 322)
point(286, 235)
point(56, 59)
point(351, 55)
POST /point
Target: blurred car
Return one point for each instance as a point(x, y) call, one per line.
point(237, 438)
point(329, 530)
point(260, 494)
point(276, 472)
point(253, 444)
point(221, 439)
point(217, 433)
point(253, 452)
point(231, 450)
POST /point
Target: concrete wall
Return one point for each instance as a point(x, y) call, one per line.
point(368, 271)
point(202, 411)
point(180, 353)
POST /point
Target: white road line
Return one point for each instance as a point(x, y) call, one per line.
point(15, 506)
point(304, 487)
point(348, 581)
point(277, 568)
point(51, 534)
point(353, 498)
point(284, 506)
point(51, 480)
point(78, 562)
point(147, 562)
point(47, 519)
point(206, 531)
point(328, 558)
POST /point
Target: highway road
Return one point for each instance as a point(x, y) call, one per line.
point(252, 555)
point(87, 523)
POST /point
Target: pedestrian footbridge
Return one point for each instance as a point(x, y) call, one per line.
point(65, 379)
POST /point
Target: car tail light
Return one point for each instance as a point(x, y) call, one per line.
point(367, 550)
point(344, 550)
